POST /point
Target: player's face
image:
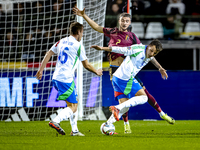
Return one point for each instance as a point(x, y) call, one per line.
point(151, 51)
point(80, 35)
point(124, 22)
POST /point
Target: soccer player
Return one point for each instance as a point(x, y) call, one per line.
point(123, 37)
point(124, 82)
point(68, 50)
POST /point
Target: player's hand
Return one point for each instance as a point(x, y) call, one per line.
point(163, 73)
point(39, 75)
point(99, 72)
point(78, 12)
point(96, 47)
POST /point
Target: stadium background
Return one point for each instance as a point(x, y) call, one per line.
point(179, 95)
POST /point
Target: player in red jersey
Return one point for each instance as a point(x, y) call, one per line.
point(123, 37)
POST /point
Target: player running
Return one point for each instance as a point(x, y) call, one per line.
point(69, 50)
point(123, 37)
point(124, 82)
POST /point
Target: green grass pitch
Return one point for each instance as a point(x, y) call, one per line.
point(155, 135)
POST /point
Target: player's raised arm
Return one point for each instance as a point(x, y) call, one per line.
point(93, 24)
point(44, 62)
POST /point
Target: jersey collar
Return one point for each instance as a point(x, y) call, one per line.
point(72, 37)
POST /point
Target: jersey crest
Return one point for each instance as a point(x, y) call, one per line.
point(129, 47)
point(127, 37)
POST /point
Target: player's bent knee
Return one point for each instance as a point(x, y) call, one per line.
point(122, 100)
point(72, 106)
point(75, 107)
point(74, 110)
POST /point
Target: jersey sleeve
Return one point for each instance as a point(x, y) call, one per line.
point(107, 31)
point(135, 39)
point(82, 56)
point(54, 48)
point(129, 51)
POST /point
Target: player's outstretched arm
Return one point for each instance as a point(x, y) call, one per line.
point(89, 67)
point(93, 24)
point(160, 68)
point(44, 62)
point(122, 50)
point(99, 48)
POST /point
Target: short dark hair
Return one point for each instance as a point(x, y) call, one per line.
point(124, 15)
point(158, 45)
point(75, 27)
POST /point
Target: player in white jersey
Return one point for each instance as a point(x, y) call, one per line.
point(122, 37)
point(69, 51)
point(124, 83)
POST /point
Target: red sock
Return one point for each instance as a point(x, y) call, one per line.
point(152, 101)
point(125, 116)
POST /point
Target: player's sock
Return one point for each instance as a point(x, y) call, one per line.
point(152, 101)
point(63, 115)
point(127, 122)
point(125, 117)
point(112, 119)
point(134, 101)
point(73, 121)
point(161, 113)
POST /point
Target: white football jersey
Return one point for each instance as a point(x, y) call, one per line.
point(135, 60)
point(69, 51)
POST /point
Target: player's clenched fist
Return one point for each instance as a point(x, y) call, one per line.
point(99, 72)
point(38, 75)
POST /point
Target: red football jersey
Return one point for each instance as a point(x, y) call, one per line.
point(121, 39)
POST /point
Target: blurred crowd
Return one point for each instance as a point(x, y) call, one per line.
point(29, 29)
point(173, 14)
point(155, 8)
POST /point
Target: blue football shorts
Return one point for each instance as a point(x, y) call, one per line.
point(66, 91)
point(125, 89)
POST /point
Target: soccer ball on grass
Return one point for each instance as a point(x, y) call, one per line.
point(107, 129)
